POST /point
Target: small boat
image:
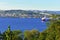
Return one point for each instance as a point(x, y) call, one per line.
point(44, 18)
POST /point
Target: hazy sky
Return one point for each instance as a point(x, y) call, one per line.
point(30, 4)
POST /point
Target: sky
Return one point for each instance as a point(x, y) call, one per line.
point(30, 4)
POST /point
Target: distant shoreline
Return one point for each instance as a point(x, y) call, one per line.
point(19, 17)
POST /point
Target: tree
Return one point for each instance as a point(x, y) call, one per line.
point(42, 36)
point(7, 34)
point(12, 35)
point(53, 31)
point(17, 35)
point(31, 35)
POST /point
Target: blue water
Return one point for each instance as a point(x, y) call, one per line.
point(22, 24)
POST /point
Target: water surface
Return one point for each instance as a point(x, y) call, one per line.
point(22, 24)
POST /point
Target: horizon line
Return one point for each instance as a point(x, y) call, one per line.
point(34, 9)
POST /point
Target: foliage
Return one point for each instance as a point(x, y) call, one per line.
point(52, 32)
point(12, 35)
point(31, 35)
